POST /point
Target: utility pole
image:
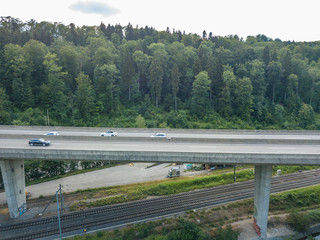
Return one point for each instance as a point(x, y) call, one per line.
point(61, 198)
point(234, 173)
point(58, 214)
point(58, 207)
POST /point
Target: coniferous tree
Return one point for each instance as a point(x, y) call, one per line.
point(257, 76)
point(5, 117)
point(266, 55)
point(56, 98)
point(142, 61)
point(156, 78)
point(175, 77)
point(105, 78)
point(274, 74)
point(314, 73)
point(287, 70)
point(128, 71)
point(103, 28)
point(227, 95)
point(293, 100)
point(70, 64)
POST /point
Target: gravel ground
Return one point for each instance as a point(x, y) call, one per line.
point(118, 175)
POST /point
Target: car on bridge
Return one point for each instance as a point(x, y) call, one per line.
point(52, 133)
point(39, 142)
point(109, 134)
point(160, 135)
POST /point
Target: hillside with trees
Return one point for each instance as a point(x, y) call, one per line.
point(125, 76)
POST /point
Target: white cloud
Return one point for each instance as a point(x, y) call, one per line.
point(90, 7)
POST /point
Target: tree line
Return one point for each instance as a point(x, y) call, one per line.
point(125, 76)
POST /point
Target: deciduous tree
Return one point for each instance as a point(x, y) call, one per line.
point(200, 94)
point(84, 96)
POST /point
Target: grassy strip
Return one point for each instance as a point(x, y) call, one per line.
point(75, 172)
point(157, 188)
point(131, 192)
point(299, 198)
point(291, 169)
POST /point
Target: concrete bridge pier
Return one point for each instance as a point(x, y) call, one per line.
point(14, 184)
point(262, 185)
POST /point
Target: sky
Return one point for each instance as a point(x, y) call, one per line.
point(288, 20)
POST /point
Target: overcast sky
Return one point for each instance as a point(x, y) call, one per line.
point(283, 19)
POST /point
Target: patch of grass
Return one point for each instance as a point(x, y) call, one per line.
point(292, 169)
point(159, 188)
point(138, 191)
point(299, 198)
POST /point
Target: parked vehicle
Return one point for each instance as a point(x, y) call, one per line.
point(52, 133)
point(174, 172)
point(159, 135)
point(109, 134)
point(39, 142)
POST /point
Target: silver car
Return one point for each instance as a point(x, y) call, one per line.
point(109, 134)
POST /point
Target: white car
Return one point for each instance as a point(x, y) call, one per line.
point(109, 134)
point(159, 135)
point(52, 133)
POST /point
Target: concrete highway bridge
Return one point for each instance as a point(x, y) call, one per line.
point(259, 148)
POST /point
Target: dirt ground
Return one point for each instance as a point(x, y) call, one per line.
point(276, 228)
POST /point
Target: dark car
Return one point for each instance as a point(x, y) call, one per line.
point(39, 141)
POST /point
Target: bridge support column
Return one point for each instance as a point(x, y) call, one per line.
point(14, 184)
point(262, 184)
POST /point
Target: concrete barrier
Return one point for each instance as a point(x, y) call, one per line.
point(154, 130)
point(159, 156)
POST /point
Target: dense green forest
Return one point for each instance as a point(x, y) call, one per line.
point(125, 76)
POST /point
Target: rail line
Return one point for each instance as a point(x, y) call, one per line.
point(144, 209)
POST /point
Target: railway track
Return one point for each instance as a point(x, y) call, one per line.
point(127, 212)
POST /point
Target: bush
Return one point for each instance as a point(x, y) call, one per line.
point(298, 221)
point(187, 231)
point(99, 234)
point(226, 234)
point(156, 237)
point(315, 216)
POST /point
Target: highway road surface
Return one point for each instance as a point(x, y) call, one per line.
point(225, 141)
point(171, 133)
point(165, 146)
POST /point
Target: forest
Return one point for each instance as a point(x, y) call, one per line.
point(125, 76)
